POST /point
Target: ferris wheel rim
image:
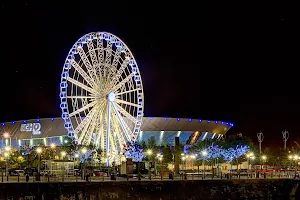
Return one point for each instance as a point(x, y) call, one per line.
point(71, 128)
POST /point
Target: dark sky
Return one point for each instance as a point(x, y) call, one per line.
point(234, 61)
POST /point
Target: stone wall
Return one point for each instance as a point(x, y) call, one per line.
point(152, 190)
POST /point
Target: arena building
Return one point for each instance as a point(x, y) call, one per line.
point(51, 130)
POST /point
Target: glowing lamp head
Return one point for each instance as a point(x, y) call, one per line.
point(84, 150)
point(52, 145)
point(6, 135)
point(149, 152)
point(204, 153)
point(39, 150)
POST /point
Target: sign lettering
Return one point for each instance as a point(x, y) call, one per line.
point(35, 128)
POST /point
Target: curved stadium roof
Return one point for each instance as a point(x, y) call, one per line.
point(51, 127)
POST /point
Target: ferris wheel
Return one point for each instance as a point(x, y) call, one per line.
point(101, 93)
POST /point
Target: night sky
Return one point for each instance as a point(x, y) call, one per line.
point(231, 61)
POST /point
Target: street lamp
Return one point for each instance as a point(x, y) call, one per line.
point(204, 154)
point(7, 136)
point(149, 152)
point(52, 145)
point(264, 158)
point(83, 150)
point(249, 156)
point(7, 148)
point(63, 154)
point(39, 151)
point(6, 155)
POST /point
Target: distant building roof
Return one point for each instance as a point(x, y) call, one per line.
point(50, 127)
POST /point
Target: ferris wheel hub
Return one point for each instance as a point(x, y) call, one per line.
point(111, 97)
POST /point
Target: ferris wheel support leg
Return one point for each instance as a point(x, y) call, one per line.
point(108, 132)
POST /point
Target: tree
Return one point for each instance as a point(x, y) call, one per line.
point(214, 152)
point(16, 159)
point(235, 148)
point(168, 154)
point(135, 152)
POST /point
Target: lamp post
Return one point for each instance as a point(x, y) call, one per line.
point(249, 155)
point(6, 155)
point(160, 158)
point(204, 153)
point(251, 158)
point(264, 159)
point(7, 136)
point(149, 154)
point(285, 137)
point(63, 154)
point(83, 151)
point(39, 151)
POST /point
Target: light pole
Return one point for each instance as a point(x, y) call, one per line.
point(39, 151)
point(83, 151)
point(63, 154)
point(260, 137)
point(6, 155)
point(249, 155)
point(149, 154)
point(285, 137)
point(264, 158)
point(204, 153)
point(7, 136)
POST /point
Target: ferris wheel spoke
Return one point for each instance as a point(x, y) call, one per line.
point(128, 91)
point(87, 64)
point(115, 61)
point(89, 133)
point(120, 71)
point(122, 123)
point(127, 103)
point(86, 125)
point(108, 126)
point(100, 132)
point(125, 113)
point(113, 143)
point(92, 53)
point(100, 50)
point(81, 85)
point(80, 97)
point(123, 82)
point(83, 108)
point(100, 56)
point(108, 60)
point(86, 120)
point(84, 75)
point(120, 136)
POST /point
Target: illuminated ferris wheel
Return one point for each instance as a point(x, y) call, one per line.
point(101, 93)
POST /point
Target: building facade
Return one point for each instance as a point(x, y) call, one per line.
point(164, 130)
